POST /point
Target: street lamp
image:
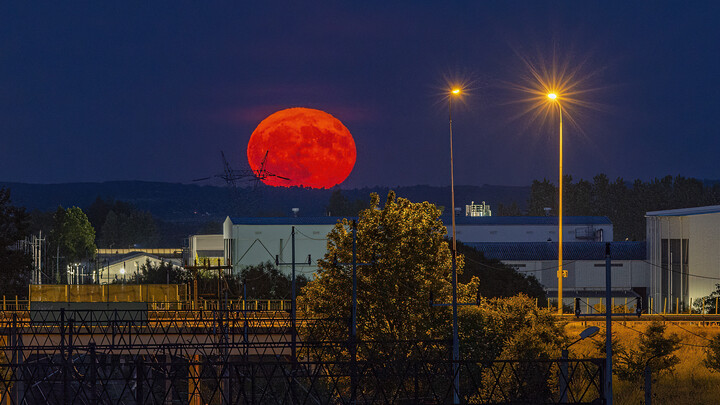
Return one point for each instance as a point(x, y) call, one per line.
point(454, 92)
point(587, 333)
point(553, 97)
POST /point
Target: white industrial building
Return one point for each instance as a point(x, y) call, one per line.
point(584, 263)
point(531, 229)
point(250, 241)
point(684, 255)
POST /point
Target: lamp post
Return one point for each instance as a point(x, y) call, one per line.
point(455, 92)
point(560, 273)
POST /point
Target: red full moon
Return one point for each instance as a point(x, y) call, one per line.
point(309, 148)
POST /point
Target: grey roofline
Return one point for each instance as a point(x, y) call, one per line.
point(709, 209)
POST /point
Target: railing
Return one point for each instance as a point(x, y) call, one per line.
point(113, 357)
point(701, 308)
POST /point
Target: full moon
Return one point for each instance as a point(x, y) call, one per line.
point(301, 147)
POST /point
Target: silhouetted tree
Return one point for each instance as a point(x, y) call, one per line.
point(15, 263)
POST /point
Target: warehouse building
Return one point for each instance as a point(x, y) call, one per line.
point(684, 255)
point(250, 241)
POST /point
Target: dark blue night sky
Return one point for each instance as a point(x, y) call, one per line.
point(99, 91)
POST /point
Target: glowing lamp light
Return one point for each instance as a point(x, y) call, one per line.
point(122, 271)
point(455, 91)
point(552, 96)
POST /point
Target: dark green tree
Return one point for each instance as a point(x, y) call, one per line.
point(265, 281)
point(151, 273)
point(73, 234)
point(15, 262)
point(542, 195)
point(712, 354)
point(340, 206)
point(654, 349)
point(495, 278)
point(121, 225)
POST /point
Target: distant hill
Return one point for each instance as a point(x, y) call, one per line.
point(175, 202)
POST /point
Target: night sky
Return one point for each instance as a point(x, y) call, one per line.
point(101, 91)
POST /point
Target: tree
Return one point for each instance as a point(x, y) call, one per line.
point(15, 262)
point(408, 261)
point(162, 273)
point(497, 279)
point(122, 225)
point(266, 282)
point(73, 235)
point(406, 269)
point(710, 301)
point(409, 258)
point(654, 349)
point(712, 354)
point(340, 206)
point(542, 195)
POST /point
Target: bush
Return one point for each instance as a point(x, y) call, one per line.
point(712, 354)
point(654, 349)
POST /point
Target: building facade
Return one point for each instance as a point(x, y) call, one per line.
point(251, 241)
point(684, 255)
point(584, 262)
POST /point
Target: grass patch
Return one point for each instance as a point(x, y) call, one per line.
point(690, 382)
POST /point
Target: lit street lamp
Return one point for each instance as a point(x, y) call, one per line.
point(455, 92)
point(560, 274)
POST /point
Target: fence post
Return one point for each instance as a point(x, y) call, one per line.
point(139, 378)
point(93, 374)
point(563, 375)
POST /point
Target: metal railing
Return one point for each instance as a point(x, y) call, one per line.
point(235, 357)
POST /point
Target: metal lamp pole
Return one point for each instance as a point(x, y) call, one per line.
point(455, 338)
point(560, 273)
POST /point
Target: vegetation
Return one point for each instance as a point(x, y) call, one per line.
point(712, 354)
point(121, 225)
point(654, 349)
point(406, 260)
point(497, 279)
point(689, 383)
point(162, 273)
point(624, 203)
point(15, 263)
point(404, 286)
point(267, 282)
point(72, 236)
point(340, 206)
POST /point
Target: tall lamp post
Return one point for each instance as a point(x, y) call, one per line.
point(455, 92)
point(560, 274)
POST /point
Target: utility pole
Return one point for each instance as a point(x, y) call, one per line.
point(353, 314)
point(293, 306)
point(608, 326)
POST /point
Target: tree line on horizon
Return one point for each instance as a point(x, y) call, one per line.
point(624, 203)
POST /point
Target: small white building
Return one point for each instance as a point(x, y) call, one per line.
point(201, 247)
point(684, 254)
point(125, 267)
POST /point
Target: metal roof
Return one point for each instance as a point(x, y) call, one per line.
point(526, 220)
point(287, 220)
point(509, 251)
point(459, 220)
point(681, 212)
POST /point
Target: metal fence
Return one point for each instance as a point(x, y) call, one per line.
point(243, 357)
